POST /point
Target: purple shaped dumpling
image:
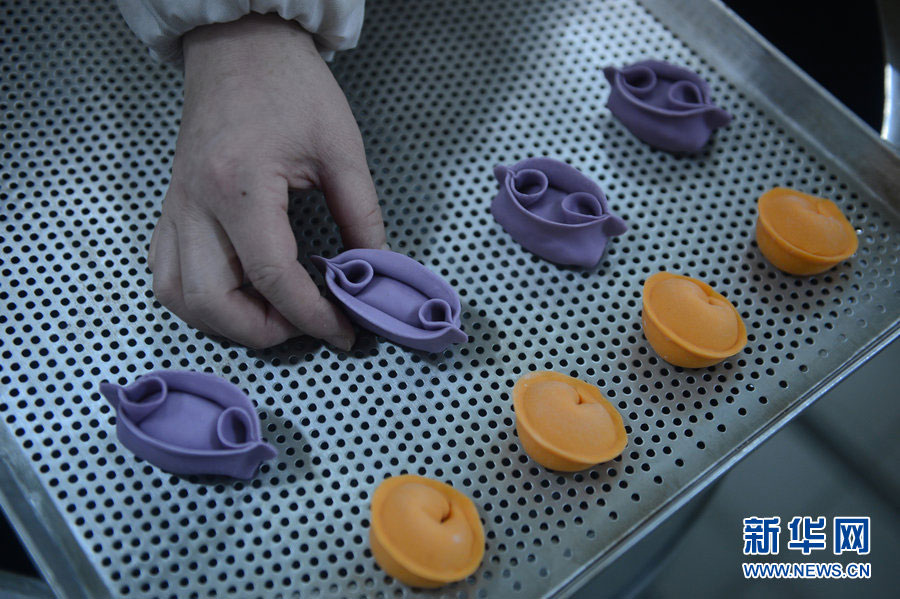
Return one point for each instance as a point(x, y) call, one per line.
point(396, 297)
point(664, 105)
point(189, 423)
point(554, 211)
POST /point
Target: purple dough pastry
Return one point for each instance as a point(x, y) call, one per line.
point(664, 105)
point(554, 211)
point(189, 423)
point(395, 296)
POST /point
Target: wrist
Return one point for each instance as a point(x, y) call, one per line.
point(252, 42)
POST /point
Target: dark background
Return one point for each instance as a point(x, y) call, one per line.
point(838, 44)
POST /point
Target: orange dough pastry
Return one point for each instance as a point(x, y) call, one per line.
point(564, 423)
point(688, 323)
point(802, 234)
point(423, 532)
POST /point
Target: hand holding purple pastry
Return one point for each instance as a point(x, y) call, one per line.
point(262, 115)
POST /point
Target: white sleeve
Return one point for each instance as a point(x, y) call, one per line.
point(335, 24)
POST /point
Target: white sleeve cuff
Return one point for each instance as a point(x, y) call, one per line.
point(334, 24)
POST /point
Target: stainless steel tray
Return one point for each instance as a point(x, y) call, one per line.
point(443, 91)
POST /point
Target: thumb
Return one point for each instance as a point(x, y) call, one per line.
point(353, 203)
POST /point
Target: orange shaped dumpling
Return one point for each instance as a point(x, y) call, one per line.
point(564, 423)
point(688, 323)
point(423, 532)
point(802, 234)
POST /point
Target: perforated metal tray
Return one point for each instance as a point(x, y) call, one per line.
point(442, 91)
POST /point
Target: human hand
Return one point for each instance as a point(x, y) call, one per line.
point(262, 114)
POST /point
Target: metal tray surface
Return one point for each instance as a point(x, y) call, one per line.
point(443, 91)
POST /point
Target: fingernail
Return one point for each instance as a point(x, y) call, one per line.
point(340, 342)
point(386, 246)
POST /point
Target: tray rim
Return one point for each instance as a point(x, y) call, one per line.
point(49, 540)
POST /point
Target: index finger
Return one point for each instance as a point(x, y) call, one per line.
point(353, 202)
point(266, 247)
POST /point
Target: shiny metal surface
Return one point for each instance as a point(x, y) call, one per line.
point(14, 586)
point(443, 91)
point(889, 17)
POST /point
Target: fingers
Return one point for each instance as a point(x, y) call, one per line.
point(353, 203)
point(211, 282)
point(199, 270)
point(167, 274)
point(267, 250)
point(151, 251)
